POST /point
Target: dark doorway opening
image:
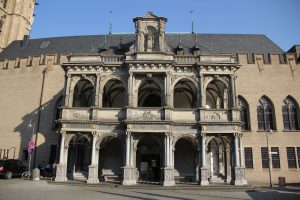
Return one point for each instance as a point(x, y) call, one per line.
point(149, 167)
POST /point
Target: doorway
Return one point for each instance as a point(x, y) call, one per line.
point(149, 158)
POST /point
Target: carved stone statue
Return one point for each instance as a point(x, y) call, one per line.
point(150, 42)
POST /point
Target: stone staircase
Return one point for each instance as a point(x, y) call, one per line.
point(80, 176)
point(216, 179)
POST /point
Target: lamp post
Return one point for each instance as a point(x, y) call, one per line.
point(269, 152)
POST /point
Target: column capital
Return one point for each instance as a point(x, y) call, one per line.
point(168, 134)
point(128, 133)
point(203, 134)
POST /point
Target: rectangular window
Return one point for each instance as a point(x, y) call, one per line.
point(275, 157)
point(291, 157)
point(264, 157)
point(248, 157)
point(298, 155)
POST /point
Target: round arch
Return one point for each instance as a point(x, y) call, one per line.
point(83, 95)
point(113, 93)
point(184, 93)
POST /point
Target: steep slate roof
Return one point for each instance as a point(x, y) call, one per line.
point(208, 44)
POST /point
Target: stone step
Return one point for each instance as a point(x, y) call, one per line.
point(80, 176)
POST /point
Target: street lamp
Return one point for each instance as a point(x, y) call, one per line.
point(269, 152)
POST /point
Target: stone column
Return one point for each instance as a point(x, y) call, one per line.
point(129, 171)
point(97, 90)
point(239, 171)
point(67, 89)
point(228, 165)
point(203, 92)
point(168, 171)
point(61, 168)
point(93, 168)
point(168, 99)
point(232, 89)
point(130, 89)
point(203, 180)
point(242, 155)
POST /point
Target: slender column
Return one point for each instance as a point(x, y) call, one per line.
point(166, 151)
point(232, 89)
point(165, 90)
point(236, 150)
point(62, 148)
point(203, 150)
point(199, 91)
point(67, 89)
point(169, 101)
point(128, 148)
point(130, 92)
point(61, 168)
point(131, 151)
point(94, 149)
point(97, 90)
point(242, 155)
point(203, 92)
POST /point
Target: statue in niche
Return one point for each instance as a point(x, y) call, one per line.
point(150, 41)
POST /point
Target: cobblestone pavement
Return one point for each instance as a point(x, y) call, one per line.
point(15, 189)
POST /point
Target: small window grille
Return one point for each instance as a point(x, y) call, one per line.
point(264, 157)
point(248, 157)
point(291, 157)
point(275, 157)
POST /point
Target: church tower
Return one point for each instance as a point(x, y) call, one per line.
point(16, 17)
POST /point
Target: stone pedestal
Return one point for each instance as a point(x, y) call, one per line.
point(129, 175)
point(203, 176)
point(239, 176)
point(93, 174)
point(61, 172)
point(168, 176)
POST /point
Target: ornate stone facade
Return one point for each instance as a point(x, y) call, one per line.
point(152, 107)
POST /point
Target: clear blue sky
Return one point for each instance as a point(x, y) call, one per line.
point(278, 19)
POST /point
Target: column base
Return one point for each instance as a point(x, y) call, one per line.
point(203, 176)
point(129, 175)
point(239, 176)
point(93, 174)
point(168, 177)
point(61, 173)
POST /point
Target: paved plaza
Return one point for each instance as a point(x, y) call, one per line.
point(41, 190)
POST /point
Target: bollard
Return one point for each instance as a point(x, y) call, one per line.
point(36, 174)
point(281, 182)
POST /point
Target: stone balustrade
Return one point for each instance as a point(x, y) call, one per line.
point(149, 114)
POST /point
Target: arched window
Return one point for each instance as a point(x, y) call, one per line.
point(149, 94)
point(83, 94)
point(265, 114)
point(185, 95)
point(113, 94)
point(216, 95)
point(290, 114)
point(244, 113)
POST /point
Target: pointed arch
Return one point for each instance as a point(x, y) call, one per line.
point(244, 112)
point(265, 114)
point(290, 113)
point(150, 94)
